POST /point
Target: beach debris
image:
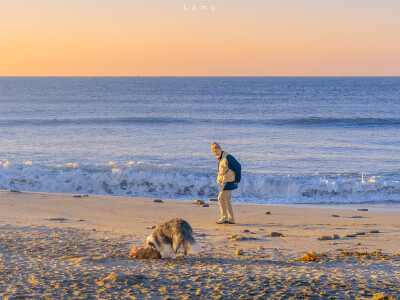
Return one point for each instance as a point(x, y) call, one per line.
point(361, 209)
point(324, 238)
point(335, 216)
point(205, 205)
point(14, 191)
point(382, 296)
point(77, 196)
point(350, 235)
point(310, 256)
point(144, 253)
point(373, 231)
point(199, 202)
point(239, 252)
point(359, 233)
point(158, 201)
point(268, 213)
point(213, 200)
point(335, 237)
point(56, 219)
point(151, 227)
point(276, 234)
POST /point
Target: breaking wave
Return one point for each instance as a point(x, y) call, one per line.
point(167, 181)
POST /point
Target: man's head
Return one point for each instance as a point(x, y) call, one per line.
point(216, 149)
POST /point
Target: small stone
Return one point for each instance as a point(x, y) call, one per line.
point(151, 227)
point(77, 196)
point(80, 220)
point(324, 238)
point(213, 200)
point(205, 205)
point(245, 230)
point(94, 229)
point(335, 237)
point(239, 252)
point(373, 231)
point(85, 195)
point(268, 213)
point(350, 235)
point(158, 201)
point(276, 234)
point(359, 233)
point(335, 216)
point(361, 209)
point(56, 219)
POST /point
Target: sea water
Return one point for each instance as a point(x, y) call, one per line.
point(299, 139)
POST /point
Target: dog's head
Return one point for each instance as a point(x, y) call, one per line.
point(152, 242)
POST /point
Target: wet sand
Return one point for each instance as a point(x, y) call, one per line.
point(58, 246)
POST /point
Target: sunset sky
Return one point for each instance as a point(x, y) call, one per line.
point(229, 38)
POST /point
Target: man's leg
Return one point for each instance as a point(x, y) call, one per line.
point(222, 204)
point(231, 218)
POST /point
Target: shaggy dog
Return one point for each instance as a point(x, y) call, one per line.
point(167, 238)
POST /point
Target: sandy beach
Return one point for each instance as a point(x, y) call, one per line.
point(59, 246)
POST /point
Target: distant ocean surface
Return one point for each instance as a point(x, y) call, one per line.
point(318, 140)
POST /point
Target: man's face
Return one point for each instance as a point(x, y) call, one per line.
point(216, 152)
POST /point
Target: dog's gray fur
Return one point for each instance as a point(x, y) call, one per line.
point(167, 238)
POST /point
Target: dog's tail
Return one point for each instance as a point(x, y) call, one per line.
point(192, 246)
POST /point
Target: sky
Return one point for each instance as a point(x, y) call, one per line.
point(219, 38)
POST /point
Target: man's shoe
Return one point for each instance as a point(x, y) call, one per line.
point(221, 221)
point(231, 222)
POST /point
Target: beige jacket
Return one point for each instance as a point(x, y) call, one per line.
point(224, 173)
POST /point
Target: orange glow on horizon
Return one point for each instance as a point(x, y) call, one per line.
point(160, 38)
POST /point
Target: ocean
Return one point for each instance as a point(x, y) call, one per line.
point(315, 140)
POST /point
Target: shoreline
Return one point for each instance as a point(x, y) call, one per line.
point(77, 247)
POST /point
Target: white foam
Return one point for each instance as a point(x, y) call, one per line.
point(166, 181)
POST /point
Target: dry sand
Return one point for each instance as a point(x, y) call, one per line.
point(57, 246)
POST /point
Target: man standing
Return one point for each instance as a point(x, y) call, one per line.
point(229, 174)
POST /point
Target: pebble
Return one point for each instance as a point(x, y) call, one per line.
point(56, 219)
point(335, 237)
point(239, 252)
point(213, 200)
point(85, 195)
point(350, 235)
point(77, 196)
point(359, 233)
point(14, 191)
point(335, 216)
point(205, 205)
point(158, 201)
point(333, 243)
point(324, 238)
point(361, 209)
point(356, 217)
point(245, 230)
point(276, 234)
point(268, 213)
point(373, 231)
point(151, 227)
point(357, 244)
